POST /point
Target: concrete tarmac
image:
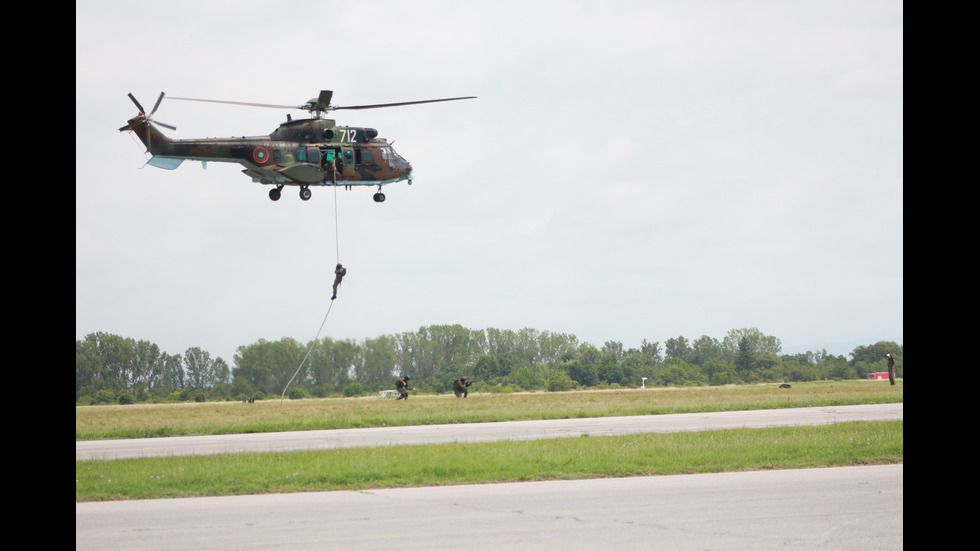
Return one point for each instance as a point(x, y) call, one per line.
point(480, 432)
point(845, 509)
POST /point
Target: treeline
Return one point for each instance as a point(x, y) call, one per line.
point(114, 369)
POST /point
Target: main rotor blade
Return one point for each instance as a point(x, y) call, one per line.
point(238, 103)
point(165, 125)
point(377, 105)
point(319, 103)
point(157, 106)
point(138, 106)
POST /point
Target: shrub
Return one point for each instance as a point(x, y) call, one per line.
point(298, 394)
point(353, 388)
point(104, 397)
point(561, 382)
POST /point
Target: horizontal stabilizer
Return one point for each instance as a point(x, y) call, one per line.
point(168, 163)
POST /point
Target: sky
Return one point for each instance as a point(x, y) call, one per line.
point(629, 171)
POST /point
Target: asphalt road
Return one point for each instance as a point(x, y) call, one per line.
point(480, 432)
point(849, 508)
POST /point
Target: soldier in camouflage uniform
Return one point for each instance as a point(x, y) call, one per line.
point(402, 386)
point(460, 387)
point(891, 367)
point(340, 272)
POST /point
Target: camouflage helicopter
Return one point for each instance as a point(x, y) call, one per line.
point(303, 153)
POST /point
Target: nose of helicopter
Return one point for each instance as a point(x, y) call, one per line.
point(405, 166)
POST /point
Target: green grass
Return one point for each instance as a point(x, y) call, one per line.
point(158, 420)
point(402, 466)
point(858, 443)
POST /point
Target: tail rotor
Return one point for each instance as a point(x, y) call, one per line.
point(145, 120)
point(144, 117)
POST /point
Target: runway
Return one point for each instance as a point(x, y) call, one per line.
point(480, 432)
point(848, 508)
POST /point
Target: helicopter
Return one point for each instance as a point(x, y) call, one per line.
point(303, 153)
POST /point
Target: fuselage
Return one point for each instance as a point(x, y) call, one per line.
point(308, 152)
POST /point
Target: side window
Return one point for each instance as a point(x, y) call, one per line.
point(301, 155)
point(367, 158)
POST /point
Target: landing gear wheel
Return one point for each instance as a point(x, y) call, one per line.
point(305, 193)
point(275, 193)
point(379, 197)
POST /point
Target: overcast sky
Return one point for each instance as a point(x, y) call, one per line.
point(629, 171)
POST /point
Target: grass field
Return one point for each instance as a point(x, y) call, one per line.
point(399, 466)
point(152, 420)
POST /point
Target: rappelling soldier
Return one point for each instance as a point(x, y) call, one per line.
point(339, 274)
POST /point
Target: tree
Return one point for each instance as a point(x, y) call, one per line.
point(719, 372)
point(202, 370)
point(677, 348)
point(173, 371)
point(332, 363)
point(117, 355)
point(353, 388)
point(651, 350)
point(757, 343)
point(588, 355)
point(88, 365)
point(268, 366)
point(525, 378)
point(487, 368)
point(677, 372)
point(613, 349)
point(148, 367)
point(583, 374)
point(560, 382)
point(705, 348)
point(609, 370)
point(873, 358)
point(874, 353)
point(378, 366)
point(637, 364)
point(556, 347)
point(838, 368)
point(744, 359)
point(123, 365)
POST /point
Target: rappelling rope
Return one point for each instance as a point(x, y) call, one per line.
point(325, 316)
point(336, 223)
point(310, 349)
